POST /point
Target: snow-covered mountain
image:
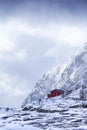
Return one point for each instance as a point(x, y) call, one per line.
point(57, 113)
point(65, 77)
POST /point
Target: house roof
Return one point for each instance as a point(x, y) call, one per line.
point(57, 90)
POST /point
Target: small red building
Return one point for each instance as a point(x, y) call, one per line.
point(55, 92)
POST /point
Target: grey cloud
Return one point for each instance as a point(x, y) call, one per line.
point(43, 11)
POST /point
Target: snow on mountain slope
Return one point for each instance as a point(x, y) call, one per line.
point(65, 77)
point(41, 89)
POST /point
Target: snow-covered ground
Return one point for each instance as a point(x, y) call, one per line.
point(18, 127)
point(15, 120)
point(57, 118)
point(58, 113)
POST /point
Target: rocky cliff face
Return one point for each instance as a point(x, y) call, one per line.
point(70, 74)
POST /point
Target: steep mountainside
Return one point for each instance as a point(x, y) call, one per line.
point(66, 77)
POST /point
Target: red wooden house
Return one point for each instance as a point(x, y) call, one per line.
point(55, 92)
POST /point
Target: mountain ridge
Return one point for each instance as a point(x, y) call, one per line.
point(65, 77)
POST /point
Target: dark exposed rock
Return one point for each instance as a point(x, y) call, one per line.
point(27, 108)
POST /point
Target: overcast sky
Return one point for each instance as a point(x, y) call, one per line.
point(36, 35)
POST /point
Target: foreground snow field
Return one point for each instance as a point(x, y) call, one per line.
point(13, 120)
point(62, 119)
point(18, 127)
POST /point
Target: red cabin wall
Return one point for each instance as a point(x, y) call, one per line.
point(54, 93)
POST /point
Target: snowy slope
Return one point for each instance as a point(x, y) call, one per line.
point(65, 77)
point(28, 120)
point(14, 119)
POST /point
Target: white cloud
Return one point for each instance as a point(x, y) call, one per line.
point(9, 86)
point(20, 55)
point(65, 33)
point(61, 32)
point(12, 90)
point(5, 43)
